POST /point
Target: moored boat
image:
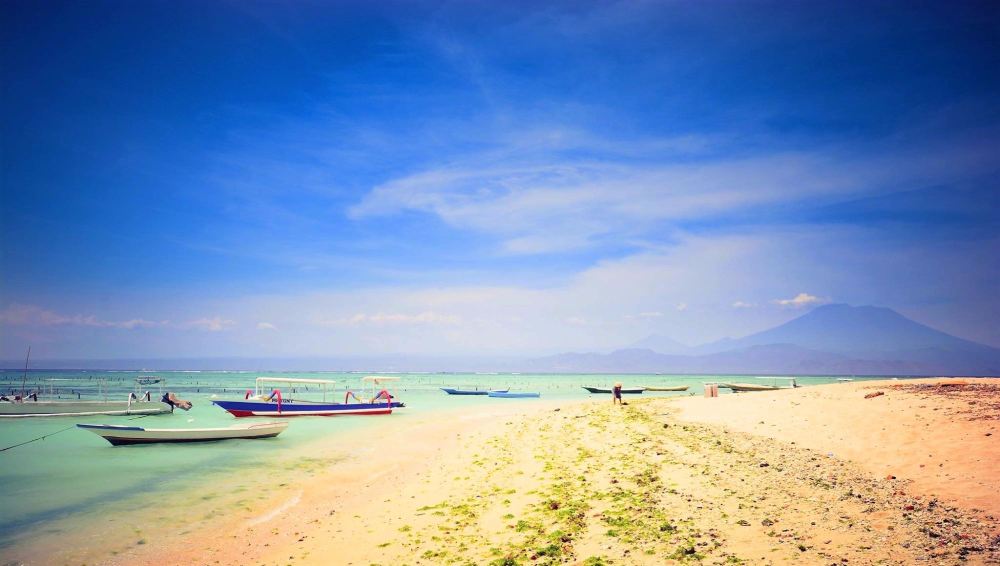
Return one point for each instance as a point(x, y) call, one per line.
point(260, 404)
point(773, 386)
point(454, 391)
point(136, 403)
point(607, 390)
point(122, 435)
point(513, 394)
point(674, 388)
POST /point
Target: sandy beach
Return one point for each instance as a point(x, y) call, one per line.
point(817, 475)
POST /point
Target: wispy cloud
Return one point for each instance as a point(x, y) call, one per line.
point(559, 204)
point(801, 300)
point(214, 324)
point(266, 326)
point(743, 305)
point(30, 315)
point(380, 318)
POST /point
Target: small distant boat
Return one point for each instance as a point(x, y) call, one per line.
point(674, 388)
point(453, 391)
point(123, 435)
point(607, 390)
point(513, 394)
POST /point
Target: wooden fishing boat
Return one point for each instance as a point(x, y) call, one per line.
point(607, 390)
point(259, 403)
point(453, 391)
point(672, 388)
point(123, 435)
point(513, 394)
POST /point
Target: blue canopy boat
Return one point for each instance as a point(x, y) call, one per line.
point(453, 391)
point(513, 394)
point(259, 404)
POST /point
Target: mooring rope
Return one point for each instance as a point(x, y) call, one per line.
point(44, 436)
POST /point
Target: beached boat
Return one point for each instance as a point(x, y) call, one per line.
point(136, 403)
point(607, 390)
point(513, 394)
point(260, 403)
point(453, 391)
point(122, 435)
point(745, 387)
point(674, 388)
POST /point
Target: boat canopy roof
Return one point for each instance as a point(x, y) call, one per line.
point(294, 380)
point(379, 378)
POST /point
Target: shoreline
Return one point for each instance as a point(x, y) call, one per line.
point(661, 479)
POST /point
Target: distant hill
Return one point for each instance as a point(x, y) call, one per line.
point(832, 339)
point(661, 344)
point(846, 329)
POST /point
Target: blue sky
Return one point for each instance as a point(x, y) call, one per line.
point(309, 178)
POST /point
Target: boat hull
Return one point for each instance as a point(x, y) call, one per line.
point(80, 408)
point(303, 409)
point(738, 387)
point(451, 391)
point(633, 391)
point(119, 435)
point(509, 395)
point(678, 388)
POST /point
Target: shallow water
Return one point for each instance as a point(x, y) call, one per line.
point(49, 485)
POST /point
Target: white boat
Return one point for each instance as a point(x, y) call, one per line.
point(136, 403)
point(738, 387)
point(121, 435)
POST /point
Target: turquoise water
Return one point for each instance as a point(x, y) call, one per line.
point(74, 472)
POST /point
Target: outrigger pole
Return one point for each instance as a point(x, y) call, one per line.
point(24, 377)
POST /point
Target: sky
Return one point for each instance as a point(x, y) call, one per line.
point(191, 179)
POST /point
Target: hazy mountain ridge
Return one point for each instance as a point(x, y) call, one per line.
point(832, 339)
point(829, 340)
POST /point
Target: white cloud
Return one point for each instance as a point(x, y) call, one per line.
point(576, 321)
point(801, 300)
point(681, 307)
point(266, 326)
point(380, 318)
point(743, 305)
point(650, 314)
point(214, 324)
point(536, 205)
point(30, 315)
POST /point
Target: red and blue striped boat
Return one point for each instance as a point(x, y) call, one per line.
point(273, 405)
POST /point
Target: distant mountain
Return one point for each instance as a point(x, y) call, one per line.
point(661, 344)
point(852, 330)
point(832, 339)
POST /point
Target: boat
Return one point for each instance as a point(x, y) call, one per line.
point(513, 394)
point(673, 388)
point(135, 403)
point(123, 435)
point(260, 403)
point(773, 386)
point(632, 391)
point(452, 391)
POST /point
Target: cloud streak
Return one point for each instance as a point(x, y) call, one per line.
point(30, 315)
